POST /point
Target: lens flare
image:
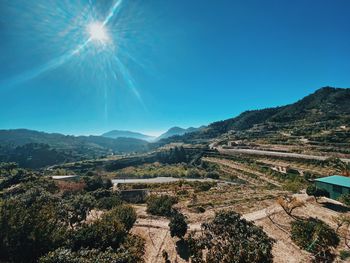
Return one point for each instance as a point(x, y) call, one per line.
point(93, 43)
point(98, 33)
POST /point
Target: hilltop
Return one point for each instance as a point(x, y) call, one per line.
point(127, 134)
point(326, 109)
point(177, 131)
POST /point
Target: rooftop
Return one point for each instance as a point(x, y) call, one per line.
point(336, 180)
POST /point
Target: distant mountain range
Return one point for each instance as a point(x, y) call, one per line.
point(37, 149)
point(128, 134)
point(321, 117)
point(136, 135)
point(177, 131)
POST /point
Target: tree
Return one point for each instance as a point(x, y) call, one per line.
point(110, 230)
point(16, 177)
point(124, 213)
point(316, 237)
point(107, 199)
point(160, 205)
point(178, 225)
point(97, 182)
point(30, 226)
point(343, 228)
point(317, 192)
point(229, 238)
point(101, 234)
point(78, 208)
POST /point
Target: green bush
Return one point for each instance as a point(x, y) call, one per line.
point(109, 231)
point(229, 238)
point(316, 192)
point(183, 192)
point(31, 224)
point(124, 213)
point(293, 186)
point(213, 175)
point(345, 199)
point(160, 205)
point(96, 182)
point(344, 254)
point(106, 199)
point(314, 236)
point(202, 186)
point(178, 225)
point(64, 255)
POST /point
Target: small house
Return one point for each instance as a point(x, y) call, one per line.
point(335, 185)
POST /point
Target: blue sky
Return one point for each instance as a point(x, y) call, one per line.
point(166, 63)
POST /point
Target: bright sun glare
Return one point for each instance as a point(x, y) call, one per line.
point(98, 32)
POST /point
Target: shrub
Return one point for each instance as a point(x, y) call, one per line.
point(64, 255)
point(97, 182)
point(106, 199)
point(109, 231)
point(294, 186)
point(345, 199)
point(203, 186)
point(30, 226)
point(125, 214)
point(314, 236)
point(213, 175)
point(77, 208)
point(109, 202)
point(182, 192)
point(160, 205)
point(316, 192)
point(344, 254)
point(178, 225)
point(229, 238)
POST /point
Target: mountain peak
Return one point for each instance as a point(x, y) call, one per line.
point(127, 134)
point(176, 131)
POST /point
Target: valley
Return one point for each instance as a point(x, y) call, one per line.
point(256, 170)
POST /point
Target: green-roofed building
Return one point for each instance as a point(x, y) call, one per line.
point(335, 185)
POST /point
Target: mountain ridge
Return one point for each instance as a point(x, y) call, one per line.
point(176, 130)
point(114, 134)
point(326, 104)
point(35, 149)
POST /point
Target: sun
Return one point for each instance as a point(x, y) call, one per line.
point(98, 32)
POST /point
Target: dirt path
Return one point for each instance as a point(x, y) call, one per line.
point(155, 231)
point(163, 223)
point(261, 214)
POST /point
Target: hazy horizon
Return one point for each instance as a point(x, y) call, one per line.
point(88, 67)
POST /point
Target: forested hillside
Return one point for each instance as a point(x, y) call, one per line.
point(35, 149)
point(327, 108)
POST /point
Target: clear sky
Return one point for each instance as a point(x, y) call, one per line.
point(86, 67)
